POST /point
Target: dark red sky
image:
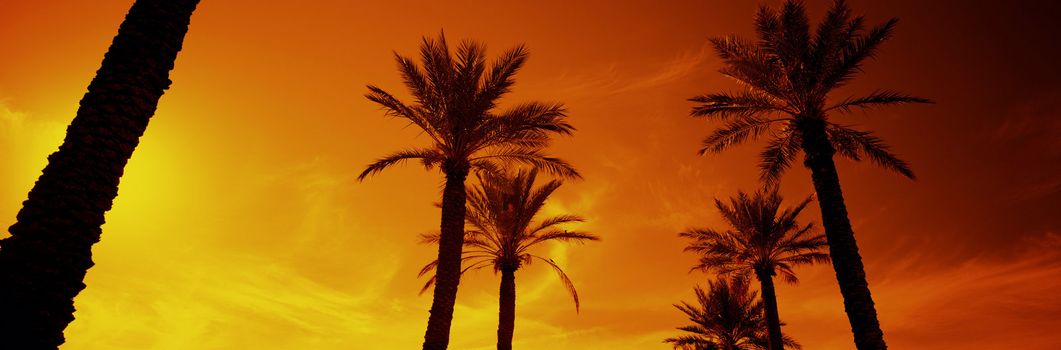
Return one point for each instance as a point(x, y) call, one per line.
point(239, 220)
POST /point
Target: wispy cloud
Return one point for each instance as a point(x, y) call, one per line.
point(612, 79)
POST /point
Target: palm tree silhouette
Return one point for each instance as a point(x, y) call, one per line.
point(789, 75)
point(502, 231)
point(455, 104)
point(728, 317)
point(764, 241)
point(44, 261)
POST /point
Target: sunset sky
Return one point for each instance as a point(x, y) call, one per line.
point(240, 225)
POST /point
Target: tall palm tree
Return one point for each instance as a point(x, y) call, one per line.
point(455, 104)
point(728, 317)
point(789, 75)
point(764, 241)
point(502, 230)
point(44, 261)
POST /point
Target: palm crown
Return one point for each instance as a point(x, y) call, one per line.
point(764, 240)
point(728, 316)
point(502, 228)
point(789, 75)
point(456, 105)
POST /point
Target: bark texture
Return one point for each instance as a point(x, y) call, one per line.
point(773, 320)
point(44, 262)
point(506, 323)
point(450, 246)
point(843, 250)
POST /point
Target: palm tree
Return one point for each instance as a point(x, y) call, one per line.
point(501, 233)
point(789, 75)
point(728, 317)
point(44, 261)
point(765, 241)
point(455, 104)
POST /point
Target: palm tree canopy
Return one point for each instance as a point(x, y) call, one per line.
point(788, 75)
point(502, 228)
point(455, 103)
point(728, 316)
point(763, 238)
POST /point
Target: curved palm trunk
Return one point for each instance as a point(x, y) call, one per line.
point(450, 245)
point(843, 250)
point(44, 262)
point(773, 320)
point(506, 323)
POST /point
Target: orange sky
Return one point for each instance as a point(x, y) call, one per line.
point(239, 223)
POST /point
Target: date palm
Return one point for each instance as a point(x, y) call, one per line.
point(501, 232)
point(455, 104)
point(764, 242)
point(728, 316)
point(44, 261)
point(789, 75)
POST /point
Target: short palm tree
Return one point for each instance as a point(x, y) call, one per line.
point(455, 104)
point(44, 261)
point(789, 75)
point(502, 231)
point(728, 317)
point(764, 241)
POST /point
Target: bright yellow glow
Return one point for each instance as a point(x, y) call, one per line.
point(240, 225)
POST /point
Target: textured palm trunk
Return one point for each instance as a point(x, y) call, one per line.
point(773, 320)
point(450, 245)
point(506, 323)
point(851, 275)
point(44, 262)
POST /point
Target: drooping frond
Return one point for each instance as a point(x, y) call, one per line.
point(735, 132)
point(428, 157)
point(854, 144)
point(778, 155)
point(476, 265)
point(532, 157)
point(563, 279)
point(876, 99)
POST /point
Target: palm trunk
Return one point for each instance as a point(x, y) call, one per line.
point(44, 262)
point(851, 275)
point(506, 323)
point(773, 320)
point(450, 245)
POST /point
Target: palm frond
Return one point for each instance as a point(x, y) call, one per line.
point(735, 132)
point(563, 279)
point(851, 56)
point(533, 157)
point(778, 155)
point(428, 157)
point(876, 99)
point(561, 235)
point(853, 144)
point(750, 65)
point(727, 105)
point(500, 79)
